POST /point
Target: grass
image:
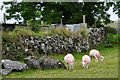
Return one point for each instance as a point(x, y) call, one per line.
point(105, 69)
point(13, 35)
point(64, 32)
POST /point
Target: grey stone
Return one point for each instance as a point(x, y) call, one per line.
point(5, 71)
point(43, 46)
point(48, 37)
point(70, 40)
point(8, 48)
point(26, 40)
point(32, 62)
point(32, 41)
point(14, 65)
point(31, 38)
point(50, 63)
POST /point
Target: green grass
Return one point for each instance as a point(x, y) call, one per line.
point(13, 35)
point(64, 32)
point(105, 69)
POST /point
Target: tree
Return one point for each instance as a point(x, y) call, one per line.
point(116, 8)
point(73, 12)
point(25, 10)
point(53, 11)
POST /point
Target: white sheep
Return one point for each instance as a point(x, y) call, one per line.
point(85, 61)
point(96, 54)
point(69, 60)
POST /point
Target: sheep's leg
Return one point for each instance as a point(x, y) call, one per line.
point(67, 66)
point(96, 59)
point(70, 66)
point(86, 65)
point(91, 57)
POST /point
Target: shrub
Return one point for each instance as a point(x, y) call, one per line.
point(99, 25)
point(113, 38)
point(9, 36)
point(110, 30)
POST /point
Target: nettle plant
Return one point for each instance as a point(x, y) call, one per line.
point(36, 24)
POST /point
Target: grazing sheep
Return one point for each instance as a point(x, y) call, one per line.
point(69, 59)
point(95, 53)
point(85, 61)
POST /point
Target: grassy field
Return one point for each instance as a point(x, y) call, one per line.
point(105, 69)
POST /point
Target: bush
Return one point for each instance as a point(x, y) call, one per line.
point(110, 30)
point(113, 38)
point(99, 25)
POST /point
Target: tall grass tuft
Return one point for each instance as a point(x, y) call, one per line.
point(60, 31)
point(64, 32)
point(83, 31)
point(20, 31)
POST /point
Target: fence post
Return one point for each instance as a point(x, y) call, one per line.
point(83, 18)
point(4, 18)
point(61, 21)
point(95, 23)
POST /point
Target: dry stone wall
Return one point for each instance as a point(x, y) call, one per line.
point(61, 44)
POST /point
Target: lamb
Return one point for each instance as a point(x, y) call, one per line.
point(85, 61)
point(69, 59)
point(96, 54)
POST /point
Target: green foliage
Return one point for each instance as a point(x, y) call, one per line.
point(110, 30)
point(83, 33)
point(53, 12)
point(14, 53)
point(99, 25)
point(8, 36)
point(113, 38)
point(36, 24)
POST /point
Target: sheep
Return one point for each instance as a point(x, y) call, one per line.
point(96, 54)
point(85, 61)
point(69, 60)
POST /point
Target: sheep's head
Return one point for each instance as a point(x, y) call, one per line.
point(61, 64)
point(102, 58)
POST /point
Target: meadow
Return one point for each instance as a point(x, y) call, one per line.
point(102, 69)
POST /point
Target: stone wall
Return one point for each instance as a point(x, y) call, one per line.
point(60, 44)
